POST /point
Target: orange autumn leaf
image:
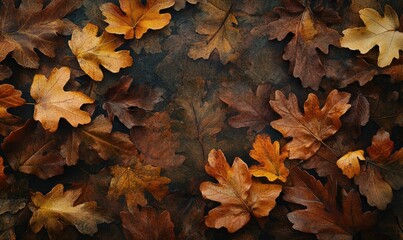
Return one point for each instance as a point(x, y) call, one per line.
point(271, 160)
point(53, 103)
point(92, 51)
point(310, 128)
point(2, 174)
point(349, 163)
point(240, 197)
point(9, 97)
point(133, 19)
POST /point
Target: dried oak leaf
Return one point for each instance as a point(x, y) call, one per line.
point(309, 129)
point(180, 4)
point(271, 160)
point(219, 24)
point(9, 97)
point(32, 27)
point(135, 18)
point(120, 101)
point(32, 150)
point(240, 197)
point(322, 215)
point(349, 163)
point(147, 224)
point(98, 136)
point(309, 27)
point(92, 51)
point(133, 181)
point(57, 208)
point(53, 103)
point(253, 110)
point(157, 129)
point(378, 30)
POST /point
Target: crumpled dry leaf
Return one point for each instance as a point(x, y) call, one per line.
point(219, 24)
point(133, 19)
point(271, 160)
point(240, 197)
point(349, 163)
point(310, 128)
point(92, 51)
point(57, 208)
point(378, 30)
point(53, 103)
point(9, 97)
point(31, 27)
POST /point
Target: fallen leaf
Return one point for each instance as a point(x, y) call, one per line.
point(240, 197)
point(32, 150)
point(9, 97)
point(5, 72)
point(309, 129)
point(219, 24)
point(271, 160)
point(133, 19)
point(2, 174)
point(381, 147)
point(31, 27)
point(147, 224)
point(57, 208)
point(92, 51)
point(378, 30)
point(349, 163)
point(357, 116)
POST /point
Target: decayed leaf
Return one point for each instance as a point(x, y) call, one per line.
point(271, 160)
point(180, 4)
point(32, 150)
point(133, 181)
point(9, 97)
point(30, 27)
point(92, 51)
point(309, 129)
point(98, 136)
point(219, 24)
point(310, 33)
point(240, 197)
point(135, 18)
point(349, 163)
point(57, 208)
point(380, 31)
point(147, 224)
point(119, 101)
point(53, 103)
point(253, 108)
point(323, 216)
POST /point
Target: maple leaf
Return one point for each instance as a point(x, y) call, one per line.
point(219, 24)
point(119, 101)
point(53, 103)
point(240, 197)
point(310, 33)
point(380, 31)
point(136, 18)
point(32, 150)
point(32, 27)
point(92, 51)
point(349, 163)
point(56, 208)
point(9, 97)
point(147, 224)
point(98, 136)
point(252, 107)
point(133, 181)
point(308, 130)
point(271, 160)
point(326, 219)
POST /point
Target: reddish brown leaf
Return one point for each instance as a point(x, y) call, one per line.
point(381, 147)
point(2, 174)
point(9, 97)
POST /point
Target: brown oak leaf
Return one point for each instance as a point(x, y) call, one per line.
point(30, 27)
point(240, 197)
point(310, 128)
point(147, 224)
point(9, 97)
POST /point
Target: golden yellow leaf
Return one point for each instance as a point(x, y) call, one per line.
point(53, 103)
point(349, 163)
point(381, 31)
point(136, 18)
point(271, 161)
point(92, 51)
